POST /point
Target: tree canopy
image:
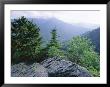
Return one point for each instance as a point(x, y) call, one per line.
point(25, 39)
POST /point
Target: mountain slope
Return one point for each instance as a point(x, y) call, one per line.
point(65, 30)
point(94, 36)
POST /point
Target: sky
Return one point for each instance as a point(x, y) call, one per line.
point(87, 17)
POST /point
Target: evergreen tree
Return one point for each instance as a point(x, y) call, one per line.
point(25, 39)
point(54, 46)
point(54, 41)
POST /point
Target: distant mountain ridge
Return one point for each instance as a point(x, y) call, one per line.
point(65, 30)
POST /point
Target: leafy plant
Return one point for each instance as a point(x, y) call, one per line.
point(81, 51)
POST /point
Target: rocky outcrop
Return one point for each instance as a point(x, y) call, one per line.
point(54, 67)
point(58, 67)
point(23, 70)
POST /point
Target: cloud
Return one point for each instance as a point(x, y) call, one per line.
point(66, 16)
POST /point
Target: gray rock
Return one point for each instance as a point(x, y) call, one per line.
point(58, 67)
point(23, 70)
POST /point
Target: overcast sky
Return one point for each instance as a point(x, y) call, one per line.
point(89, 17)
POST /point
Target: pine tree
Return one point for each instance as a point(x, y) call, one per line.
point(54, 46)
point(25, 39)
point(54, 41)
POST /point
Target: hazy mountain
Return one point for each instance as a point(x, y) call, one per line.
point(94, 36)
point(65, 30)
point(88, 25)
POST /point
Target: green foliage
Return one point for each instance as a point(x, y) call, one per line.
point(76, 48)
point(91, 61)
point(26, 45)
point(54, 41)
point(54, 46)
point(25, 39)
point(94, 71)
point(90, 58)
point(81, 51)
point(53, 51)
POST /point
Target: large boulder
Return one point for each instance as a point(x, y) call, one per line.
point(23, 70)
point(58, 67)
